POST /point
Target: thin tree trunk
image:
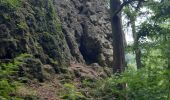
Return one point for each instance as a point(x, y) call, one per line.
point(138, 58)
point(118, 40)
point(136, 42)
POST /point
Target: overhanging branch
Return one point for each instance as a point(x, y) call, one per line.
point(126, 2)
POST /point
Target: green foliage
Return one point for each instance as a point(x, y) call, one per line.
point(11, 68)
point(153, 30)
point(22, 25)
point(10, 3)
point(7, 69)
point(5, 88)
point(144, 84)
point(23, 56)
point(152, 81)
point(71, 93)
point(7, 73)
point(88, 83)
point(161, 9)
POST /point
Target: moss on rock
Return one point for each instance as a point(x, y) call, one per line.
point(31, 26)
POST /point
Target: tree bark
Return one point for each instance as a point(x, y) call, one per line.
point(118, 40)
point(136, 41)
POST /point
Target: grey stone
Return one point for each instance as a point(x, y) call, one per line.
point(87, 28)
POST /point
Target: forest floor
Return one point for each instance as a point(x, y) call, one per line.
point(80, 76)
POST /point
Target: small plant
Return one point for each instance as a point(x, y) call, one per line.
point(71, 93)
point(22, 56)
point(7, 69)
point(89, 83)
point(22, 25)
point(5, 88)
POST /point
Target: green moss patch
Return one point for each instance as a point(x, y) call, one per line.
point(10, 3)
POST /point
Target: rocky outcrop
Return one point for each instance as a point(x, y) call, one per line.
point(32, 27)
point(55, 33)
point(87, 29)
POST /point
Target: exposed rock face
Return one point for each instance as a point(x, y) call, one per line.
point(87, 28)
point(33, 27)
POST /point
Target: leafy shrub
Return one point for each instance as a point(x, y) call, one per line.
point(7, 69)
point(144, 84)
point(5, 88)
point(70, 93)
point(89, 83)
point(11, 68)
point(7, 73)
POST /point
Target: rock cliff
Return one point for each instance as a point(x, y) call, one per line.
point(56, 32)
point(87, 29)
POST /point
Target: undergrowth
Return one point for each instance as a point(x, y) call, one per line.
point(8, 75)
point(70, 92)
point(144, 84)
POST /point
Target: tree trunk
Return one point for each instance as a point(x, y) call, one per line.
point(138, 58)
point(136, 42)
point(118, 40)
